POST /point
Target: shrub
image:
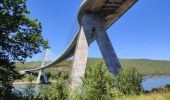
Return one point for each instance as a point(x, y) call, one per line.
point(59, 75)
point(57, 91)
point(99, 83)
point(129, 81)
point(168, 87)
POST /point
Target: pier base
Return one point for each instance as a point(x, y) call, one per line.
point(42, 78)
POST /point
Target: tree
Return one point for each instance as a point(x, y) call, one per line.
point(7, 75)
point(20, 37)
point(98, 82)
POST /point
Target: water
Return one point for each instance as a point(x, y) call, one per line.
point(155, 82)
point(148, 83)
point(22, 87)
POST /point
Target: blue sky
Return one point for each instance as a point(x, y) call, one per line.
point(143, 32)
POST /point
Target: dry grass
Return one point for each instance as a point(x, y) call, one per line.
point(152, 96)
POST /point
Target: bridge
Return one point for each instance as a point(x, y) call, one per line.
point(94, 18)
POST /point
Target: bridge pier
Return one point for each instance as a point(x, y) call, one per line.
point(80, 59)
point(42, 78)
point(93, 27)
point(106, 48)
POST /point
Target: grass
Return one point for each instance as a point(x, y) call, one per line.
point(145, 66)
point(151, 96)
point(148, 67)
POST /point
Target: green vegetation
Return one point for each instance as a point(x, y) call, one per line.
point(57, 91)
point(98, 84)
point(148, 67)
point(150, 96)
point(129, 81)
point(144, 66)
point(7, 75)
point(20, 37)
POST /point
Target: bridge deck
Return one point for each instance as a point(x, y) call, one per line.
point(110, 10)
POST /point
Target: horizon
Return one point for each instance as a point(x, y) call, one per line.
point(102, 58)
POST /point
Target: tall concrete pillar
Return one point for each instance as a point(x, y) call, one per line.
point(80, 59)
point(95, 26)
point(42, 78)
point(105, 47)
point(92, 28)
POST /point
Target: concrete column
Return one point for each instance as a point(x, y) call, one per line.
point(80, 59)
point(106, 48)
point(92, 28)
point(94, 25)
point(42, 78)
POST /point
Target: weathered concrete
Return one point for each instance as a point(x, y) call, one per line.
point(42, 78)
point(106, 48)
point(92, 28)
point(97, 26)
point(80, 59)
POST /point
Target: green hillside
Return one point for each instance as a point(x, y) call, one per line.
point(145, 66)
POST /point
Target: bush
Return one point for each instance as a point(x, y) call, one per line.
point(129, 81)
point(168, 87)
point(57, 91)
point(100, 84)
point(59, 75)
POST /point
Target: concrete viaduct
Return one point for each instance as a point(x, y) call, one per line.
point(94, 17)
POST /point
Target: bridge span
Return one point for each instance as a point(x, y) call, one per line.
point(94, 12)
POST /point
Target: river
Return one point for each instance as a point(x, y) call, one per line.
point(155, 82)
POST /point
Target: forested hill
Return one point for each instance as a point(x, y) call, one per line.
point(145, 66)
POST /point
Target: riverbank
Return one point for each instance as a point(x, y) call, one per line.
point(23, 83)
point(27, 82)
point(148, 83)
point(54, 81)
point(155, 76)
